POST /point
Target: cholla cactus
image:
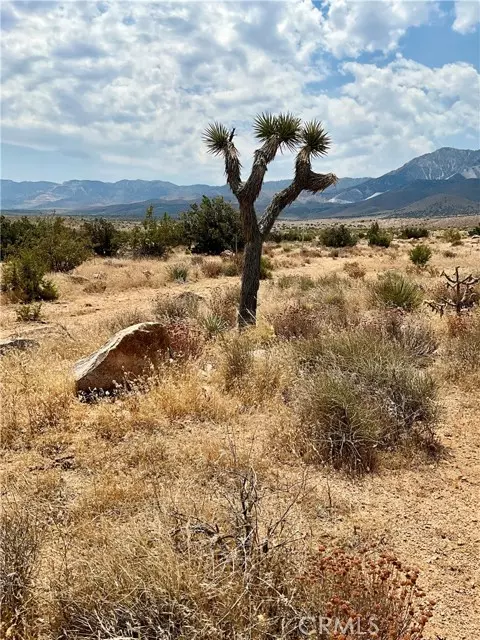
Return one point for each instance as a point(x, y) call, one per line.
point(460, 294)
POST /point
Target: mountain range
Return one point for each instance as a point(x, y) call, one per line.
point(444, 182)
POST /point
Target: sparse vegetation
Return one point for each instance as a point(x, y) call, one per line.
point(24, 278)
point(337, 236)
point(420, 255)
point(215, 498)
point(414, 233)
point(378, 237)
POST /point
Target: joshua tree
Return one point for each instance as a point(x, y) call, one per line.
point(276, 133)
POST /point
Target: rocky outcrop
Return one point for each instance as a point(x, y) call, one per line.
point(130, 353)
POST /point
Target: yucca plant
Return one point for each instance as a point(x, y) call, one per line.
point(395, 291)
point(276, 133)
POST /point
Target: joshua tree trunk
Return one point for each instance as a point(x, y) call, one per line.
point(276, 133)
point(247, 311)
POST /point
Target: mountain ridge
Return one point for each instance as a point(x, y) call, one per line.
point(445, 176)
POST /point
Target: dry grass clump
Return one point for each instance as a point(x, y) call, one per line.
point(396, 291)
point(224, 304)
point(237, 358)
point(462, 351)
point(127, 319)
point(359, 393)
point(212, 268)
point(413, 333)
point(31, 401)
point(354, 270)
point(178, 272)
point(20, 541)
point(182, 307)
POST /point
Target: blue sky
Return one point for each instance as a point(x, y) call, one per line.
point(113, 90)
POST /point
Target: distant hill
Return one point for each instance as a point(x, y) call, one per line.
point(442, 164)
point(447, 180)
point(83, 195)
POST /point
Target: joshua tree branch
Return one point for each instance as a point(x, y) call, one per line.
point(232, 167)
point(305, 180)
point(262, 158)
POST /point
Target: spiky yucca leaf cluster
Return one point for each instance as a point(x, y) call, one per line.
point(216, 137)
point(315, 138)
point(285, 126)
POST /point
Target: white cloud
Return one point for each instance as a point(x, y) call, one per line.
point(467, 15)
point(132, 85)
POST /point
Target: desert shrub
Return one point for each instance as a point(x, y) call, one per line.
point(292, 234)
point(29, 312)
point(453, 236)
point(372, 386)
point(266, 268)
point(20, 536)
point(449, 254)
point(156, 236)
point(213, 325)
point(294, 320)
point(224, 304)
point(337, 424)
point(334, 253)
point(337, 236)
point(167, 308)
point(414, 233)
point(414, 334)
point(212, 226)
point(233, 267)
point(24, 278)
point(103, 236)
point(475, 231)
point(396, 291)
point(378, 237)
point(177, 272)
point(126, 319)
point(16, 234)
point(186, 340)
point(212, 268)
point(300, 282)
point(60, 247)
point(420, 255)
point(463, 347)
point(237, 359)
point(354, 270)
point(364, 594)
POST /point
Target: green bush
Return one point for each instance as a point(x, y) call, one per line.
point(396, 291)
point(338, 236)
point(453, 236)
point(103, 236)
point(212, 226)
point(29, 312)
point(475, 231)
point(414, 233)
point(378, 237)
point(177, 272)
point(156, 236)
point(420, 255)
point(24, 278)
point(61, 247)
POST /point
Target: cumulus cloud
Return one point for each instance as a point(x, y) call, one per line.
point(467, 15)
point(133, 84)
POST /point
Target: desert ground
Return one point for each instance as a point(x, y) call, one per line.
point(120, 503)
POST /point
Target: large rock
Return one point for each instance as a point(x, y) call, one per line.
point(18, 344)
point(128, 354)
